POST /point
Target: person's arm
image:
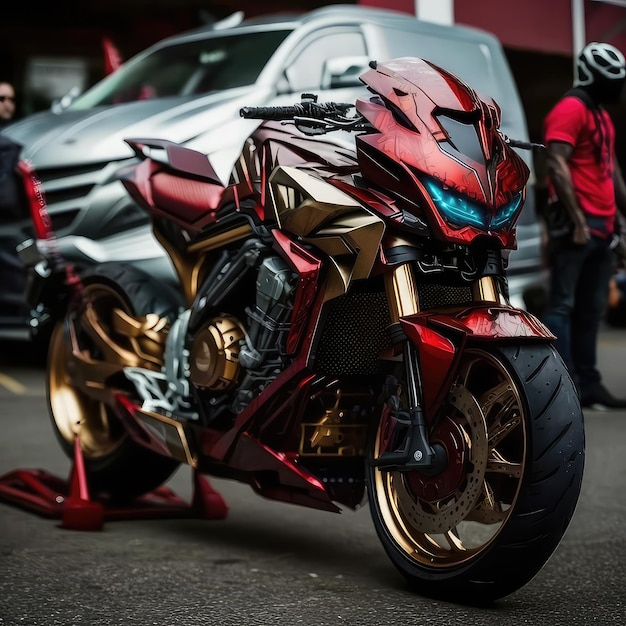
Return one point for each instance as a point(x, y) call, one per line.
point(558, 156)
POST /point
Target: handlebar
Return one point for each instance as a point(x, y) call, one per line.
point(525, 145)
point(308, 107)
point(315, 118)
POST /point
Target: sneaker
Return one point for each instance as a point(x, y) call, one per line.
point(598, 397)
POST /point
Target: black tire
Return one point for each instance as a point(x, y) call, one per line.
point(481, 534)
point(117, 467)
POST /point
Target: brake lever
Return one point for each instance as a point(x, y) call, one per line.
point(311, 126)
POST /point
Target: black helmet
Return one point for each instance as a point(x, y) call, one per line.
point(601, 71)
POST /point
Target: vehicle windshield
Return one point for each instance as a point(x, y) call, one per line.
point(186, 69)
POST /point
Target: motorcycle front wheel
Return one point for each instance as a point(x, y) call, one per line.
point(480, 529)
point(88, 346)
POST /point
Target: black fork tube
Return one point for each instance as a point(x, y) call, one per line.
point(415, 453)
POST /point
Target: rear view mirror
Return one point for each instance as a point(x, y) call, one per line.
point(343, 71)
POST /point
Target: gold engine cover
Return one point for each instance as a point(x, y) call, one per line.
point(214, 362)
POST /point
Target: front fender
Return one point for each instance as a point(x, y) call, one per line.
point(441, 337)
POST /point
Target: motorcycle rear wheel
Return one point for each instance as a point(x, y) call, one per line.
point(481, 529)
point(117, 467)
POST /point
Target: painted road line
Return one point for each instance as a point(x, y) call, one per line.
point(11, 384)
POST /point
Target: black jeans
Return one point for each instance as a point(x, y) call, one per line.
point(578, 299)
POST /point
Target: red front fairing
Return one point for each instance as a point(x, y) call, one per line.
point(435, 127)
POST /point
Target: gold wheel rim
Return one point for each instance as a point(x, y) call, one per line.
point(84, 352)
point(485, 408)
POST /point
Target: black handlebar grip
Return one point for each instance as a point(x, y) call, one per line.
point(525, 145)
point(271, 113)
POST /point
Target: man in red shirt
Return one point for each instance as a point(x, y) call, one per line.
point(587, 185)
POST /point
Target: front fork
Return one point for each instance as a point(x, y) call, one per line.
point(416, 452)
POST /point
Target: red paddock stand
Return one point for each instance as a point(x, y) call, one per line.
point(50, 496)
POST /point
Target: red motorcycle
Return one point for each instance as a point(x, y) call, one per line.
point(341, 332)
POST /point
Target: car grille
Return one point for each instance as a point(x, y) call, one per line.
point(56, 173)
point(69, 193)
point(69, 183)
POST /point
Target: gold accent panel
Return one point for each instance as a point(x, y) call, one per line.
point(223, 239)
point(401, 292)
point(246, 172)
point(213, 362)
point(332, 221)
point(337, 440)
point(302, 203)
point(190, 264)
point(331, 436)
point(170, 432)
point(486, 289)
point(352, 245)
point(187, 267)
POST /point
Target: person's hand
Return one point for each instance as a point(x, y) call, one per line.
point(618, 245)
point(581, 234)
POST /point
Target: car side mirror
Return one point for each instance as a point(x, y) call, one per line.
point(282, 85)
point(344, 71)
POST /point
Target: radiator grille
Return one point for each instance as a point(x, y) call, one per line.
point(355, 328)
point(434, 295)
point(354, 334)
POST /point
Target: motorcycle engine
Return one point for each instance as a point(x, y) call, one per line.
point(228, 362)
point(213, 362)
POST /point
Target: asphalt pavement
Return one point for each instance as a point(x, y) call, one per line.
point(271, 563)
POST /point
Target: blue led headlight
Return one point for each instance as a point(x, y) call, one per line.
point(461, 211)
point(456, 209)
point(507, 214)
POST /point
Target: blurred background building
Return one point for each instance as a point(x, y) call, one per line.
point(60, 46)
